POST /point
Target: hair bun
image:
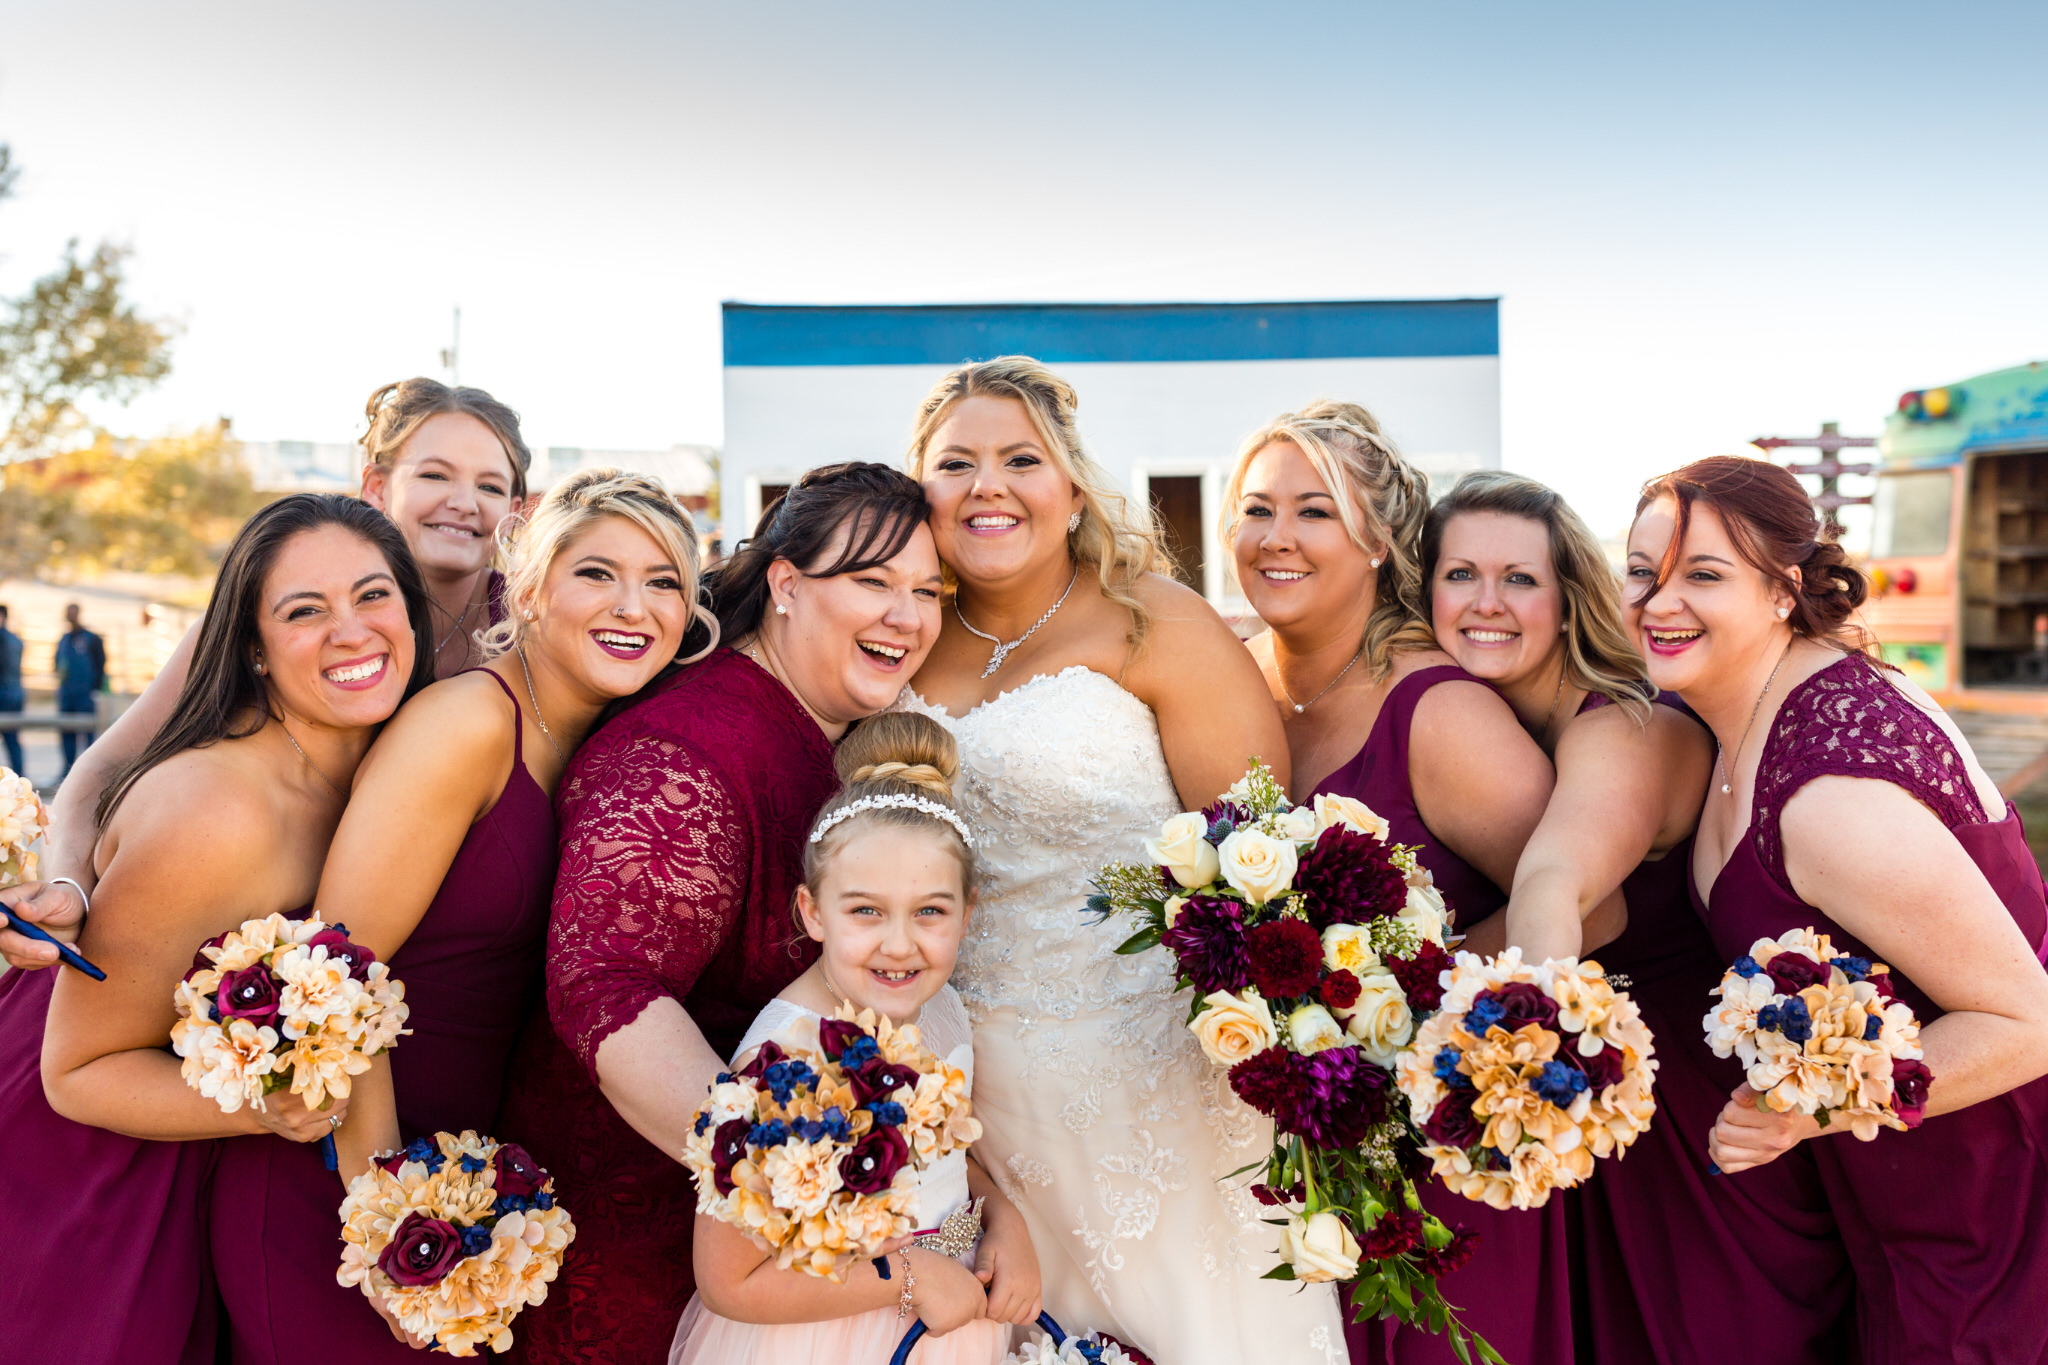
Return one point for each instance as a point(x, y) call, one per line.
point(916, 774)
point(1832, 587)
point(900, 749)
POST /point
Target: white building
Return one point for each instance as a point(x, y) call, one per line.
point(1167, 390)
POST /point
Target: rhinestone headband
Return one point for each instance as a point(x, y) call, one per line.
point(900, 801)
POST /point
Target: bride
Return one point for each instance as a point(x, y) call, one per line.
point(1093, 697)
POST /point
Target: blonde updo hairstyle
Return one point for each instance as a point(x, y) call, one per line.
point(897, 753)
point(531, 543)
point(1384, 513)
point(1116, 537)
point(398, 410)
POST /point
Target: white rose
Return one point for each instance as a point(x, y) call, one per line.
point(1425, 910)
point(1258, 865)
point(1311, 1029)
point(1381, 1020)
point(1319, 1248)
point(1342, 810)
point(1348, 948)
point(1298, 824)
point(732, 1100)
point(1234, 1027)
point(1173, 907)
point(1183, 849)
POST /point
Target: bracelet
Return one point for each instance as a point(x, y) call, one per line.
point(903, 1304)
point(73, 884)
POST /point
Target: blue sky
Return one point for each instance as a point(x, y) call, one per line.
point(1706, 223)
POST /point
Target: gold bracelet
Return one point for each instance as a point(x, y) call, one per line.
point(909, 1283)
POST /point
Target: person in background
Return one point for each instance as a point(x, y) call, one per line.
point(81, 671)
point(12, 698)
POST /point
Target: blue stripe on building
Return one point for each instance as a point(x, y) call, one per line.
point(1076, 333)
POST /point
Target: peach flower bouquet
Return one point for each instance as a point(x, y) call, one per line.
point(23, 822)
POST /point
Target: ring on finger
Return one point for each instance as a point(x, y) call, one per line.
point(333, 1122)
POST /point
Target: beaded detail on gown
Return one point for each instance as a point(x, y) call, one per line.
point(1102, 1120)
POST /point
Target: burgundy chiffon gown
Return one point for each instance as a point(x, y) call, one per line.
point(1943, 1224)
point(682, 829)
point(471, 969)
point(1515, 1290)
point(1671, 1263)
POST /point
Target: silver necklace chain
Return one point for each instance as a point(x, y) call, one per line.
point(1551, 714)
point(1301, 706)
point(467, 608)
point(538, 717)
point(1720, 757)
point(309, 762)
point(995, 660)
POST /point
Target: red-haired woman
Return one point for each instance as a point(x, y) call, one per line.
point(1844, 800)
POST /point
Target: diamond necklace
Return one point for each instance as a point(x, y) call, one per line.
point(995, 660)
point(1721, 758)
point(1301, 706)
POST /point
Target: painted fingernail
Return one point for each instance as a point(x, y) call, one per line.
point(1715, 1168)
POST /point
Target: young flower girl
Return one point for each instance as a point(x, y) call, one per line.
point(888, 891)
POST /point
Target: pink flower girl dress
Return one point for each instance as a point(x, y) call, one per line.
point(870, 1338)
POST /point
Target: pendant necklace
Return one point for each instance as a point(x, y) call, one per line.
point(310, 763)
point(1551, 714)
point(995, 660)
point(1301, 706)
point(1720, 757)
point(536, 707)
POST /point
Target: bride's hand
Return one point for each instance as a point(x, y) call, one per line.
point(1006, 1264)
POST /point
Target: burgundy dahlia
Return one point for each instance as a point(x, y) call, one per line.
point(1340, 990)
point(1421, 976)
point(1792, 973)
point(1208, 941)
point(1286, 958)
point(1331, 1099)
point(1398, 1232)
point(1349, 878)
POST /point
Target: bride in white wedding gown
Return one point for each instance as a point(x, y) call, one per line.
point(1102, 1120)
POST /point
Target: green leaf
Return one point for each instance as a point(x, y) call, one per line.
point(1139, 942)
point(1279, 1272)
point(1399, 1294)
point(1487, 1353)
point(1458, 1347)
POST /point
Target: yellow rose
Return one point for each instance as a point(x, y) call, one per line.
point(1311, 1029)
point(1183, 849)
point(1342, 810)
point(1234, 1027)
point(1348, 948)
point(1381, 1020)
point(1258, 865)
point(1319, 1248)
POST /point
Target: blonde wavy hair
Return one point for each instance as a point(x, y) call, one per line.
point(1116, 536)
point(530, 544)
point(1598, 655)
point(1384, 514)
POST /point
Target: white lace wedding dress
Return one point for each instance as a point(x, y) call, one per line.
point(1102, 1120)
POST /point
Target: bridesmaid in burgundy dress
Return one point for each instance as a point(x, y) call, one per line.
point(443, 866)
point(1326, 522)
point(682, 824)
point(224, 818)
point(1846, 802)
point(1670, 1264)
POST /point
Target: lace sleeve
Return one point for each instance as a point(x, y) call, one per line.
point(652, 882)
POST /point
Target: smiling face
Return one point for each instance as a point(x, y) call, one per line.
point(1000, 504)
point(1496, 603)
point(447, 490)
point(1296, 562)
point(848, 643)
point(1714, 616)
point(890, 910)
point(337, 646)
point(611, 611)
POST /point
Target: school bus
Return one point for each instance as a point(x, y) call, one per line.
point(1959, 540)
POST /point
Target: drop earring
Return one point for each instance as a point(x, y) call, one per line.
point(1073, 523)
point(261, 668)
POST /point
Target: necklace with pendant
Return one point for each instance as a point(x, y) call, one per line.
point(995, 660)
point(1721, 759)
point(1301, 706)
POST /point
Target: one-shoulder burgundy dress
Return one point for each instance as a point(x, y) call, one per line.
point(471, 969)
point(1515, 1290)
point(1671, 1263)
point(1944, 1224)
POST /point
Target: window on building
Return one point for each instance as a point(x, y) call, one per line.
point(1177, 508)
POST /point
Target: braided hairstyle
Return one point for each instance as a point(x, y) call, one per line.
point(897, 753)
point(1388, 504)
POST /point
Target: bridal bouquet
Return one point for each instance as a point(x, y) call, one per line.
point(1525, 1075)
point(284, 1003)
point(1313, 945)
point(1820, 1033)
point(22, 821)
point(455, 1234)
point(814, 1151)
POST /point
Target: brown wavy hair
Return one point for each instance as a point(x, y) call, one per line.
point(396, 411)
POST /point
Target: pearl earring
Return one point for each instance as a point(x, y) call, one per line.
point(1375, 561)
point(261, 668)
point(528, 613)
point(781, 610)
point(1784, 612)
point(1073, 523)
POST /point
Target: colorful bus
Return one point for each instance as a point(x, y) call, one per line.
point(1959, 540)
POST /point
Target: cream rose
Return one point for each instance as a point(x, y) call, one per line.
point(1311, 1029)
point(1258, 865)
point(1381, 1020)
point(1298, 824)
point(1343, 810)
point(1319, 1248)
point(1183, 849)
point(1425, 910)
point(1348, 948)
point(1174, 905)
point(1234, 1027)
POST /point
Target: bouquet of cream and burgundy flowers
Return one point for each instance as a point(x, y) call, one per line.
point(1313, 945)
point(814, 1150)
point(456, 1234)
point(22, 822)
point(1820, 1033)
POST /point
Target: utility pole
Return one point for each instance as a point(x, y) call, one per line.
point(451, 354)
point(1829, 468)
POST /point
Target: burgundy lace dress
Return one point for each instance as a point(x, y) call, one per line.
point(1671, 1263)
point(1943, 1224)
point(1515, 1290)
point(682, 829)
